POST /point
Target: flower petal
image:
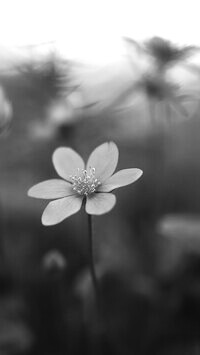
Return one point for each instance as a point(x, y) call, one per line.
point(51, 189)
point(104, 159)
point(121, 178)
point(100, 203)
point(56, 211)
point(66, 162)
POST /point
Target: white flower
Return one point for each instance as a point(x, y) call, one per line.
point(91, 183)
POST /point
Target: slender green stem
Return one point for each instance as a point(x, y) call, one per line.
point(91, 255)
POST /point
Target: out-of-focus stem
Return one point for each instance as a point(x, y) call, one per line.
point(152, 111)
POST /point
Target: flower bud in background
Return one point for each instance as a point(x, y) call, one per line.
point(5, 111)
point(54, 261)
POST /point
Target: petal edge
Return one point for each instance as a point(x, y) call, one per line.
point(66, 162)
point(104, 159)
point(121, 178)
point(51, 189)
point(100, 203)
point(58, 210)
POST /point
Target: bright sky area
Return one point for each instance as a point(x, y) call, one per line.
point(91, 30)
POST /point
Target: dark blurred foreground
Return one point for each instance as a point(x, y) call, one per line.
point(147, 248)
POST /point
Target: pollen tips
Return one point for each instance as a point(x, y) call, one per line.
point(85, 182)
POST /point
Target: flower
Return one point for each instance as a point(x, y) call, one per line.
point(161, 53)
point(159, 90)
point(91, 183)
point(166, 52)
point(156, 90)
point(157, 83)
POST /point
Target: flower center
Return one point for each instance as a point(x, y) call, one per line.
point(85, 182)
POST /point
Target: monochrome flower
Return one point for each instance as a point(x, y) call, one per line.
point(167, 53)
point(91, 183)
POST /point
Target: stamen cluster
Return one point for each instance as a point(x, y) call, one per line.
point(85, 182)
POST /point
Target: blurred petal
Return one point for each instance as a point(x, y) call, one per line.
point(50, 189)
point(100, 203)
point(104, 159)
point(121, 178)
point(6, 111)
point(56, 211)
point(66, 162)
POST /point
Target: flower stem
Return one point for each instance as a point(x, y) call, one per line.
point(91, 255)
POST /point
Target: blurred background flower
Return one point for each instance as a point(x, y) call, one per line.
point(5, 111)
